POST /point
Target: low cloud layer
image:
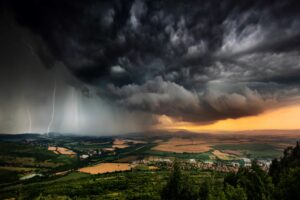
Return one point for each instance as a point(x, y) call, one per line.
point(196, 61)
point(168, 98)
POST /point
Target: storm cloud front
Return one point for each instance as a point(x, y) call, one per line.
point(117, 65)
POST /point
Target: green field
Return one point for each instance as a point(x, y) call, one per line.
point(254, 150)
point(18, 159)
point(127, 185)
point(198, 156)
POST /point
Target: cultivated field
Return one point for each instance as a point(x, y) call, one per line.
point(223, 155)
point(180, 145)
point(106, 168)
point(121, 144)
point(61, 150)
point(225, 146)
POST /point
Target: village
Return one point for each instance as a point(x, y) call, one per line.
point(192, 164)
point(160, 163)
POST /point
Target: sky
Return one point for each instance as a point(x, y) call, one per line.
point(120, 66)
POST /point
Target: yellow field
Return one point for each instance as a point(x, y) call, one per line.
point(61, 150)
point(108, 149)
point(233, 152)
point(118, 142)
point(120, 146)
point(53, 149)
point(106, 168)
point(221, 155)
point(179, 145)
point(153, 168)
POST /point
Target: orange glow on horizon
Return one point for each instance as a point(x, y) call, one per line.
point(284, 118)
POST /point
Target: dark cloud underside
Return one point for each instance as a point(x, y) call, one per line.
point(197, 61)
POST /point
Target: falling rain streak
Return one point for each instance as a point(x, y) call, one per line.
point(29, 120)
point(53, 108)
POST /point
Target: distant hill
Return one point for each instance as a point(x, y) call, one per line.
point(19, 137)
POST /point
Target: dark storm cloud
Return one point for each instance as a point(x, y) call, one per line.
point(165, 97)
point(194, 60)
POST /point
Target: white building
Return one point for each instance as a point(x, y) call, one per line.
point(84, 156)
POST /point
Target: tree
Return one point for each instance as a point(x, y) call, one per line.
point(204, 190)
point(289, 185)
point(178, 187)
point(211, 189)
point(172, 190)
point(254, 181)
point(286, 174)
point(235, 193)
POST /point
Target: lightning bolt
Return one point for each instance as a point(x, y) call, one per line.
point(53, 108)
point(29, 120)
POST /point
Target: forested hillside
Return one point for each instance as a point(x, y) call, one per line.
point(282, 182)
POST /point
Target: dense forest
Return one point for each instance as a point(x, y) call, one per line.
point(282, 182)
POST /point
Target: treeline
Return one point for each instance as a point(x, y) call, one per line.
point(282, 182)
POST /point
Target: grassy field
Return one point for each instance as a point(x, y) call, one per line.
point(254, 150)
point(18, 159)
point(199, 156)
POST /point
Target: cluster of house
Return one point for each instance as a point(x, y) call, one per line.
point(264, 164)
point(228, 166)
point(211, 165)
point(90, 153)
